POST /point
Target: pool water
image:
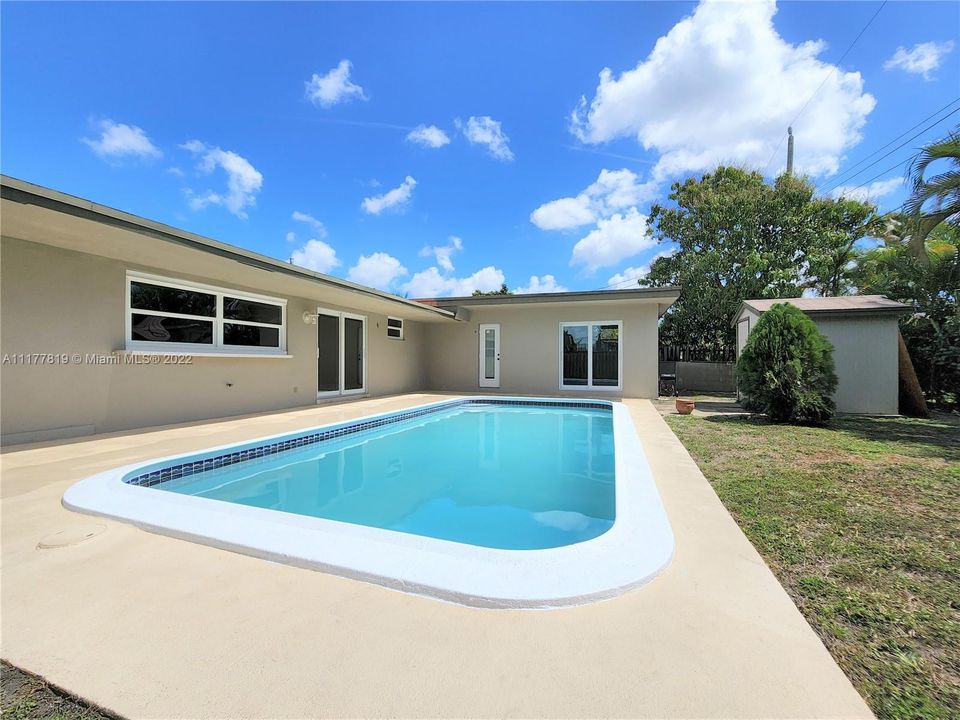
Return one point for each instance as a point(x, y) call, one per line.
point(498, 476)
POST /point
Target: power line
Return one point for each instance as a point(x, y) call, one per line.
point(846, 176)
point(621, 282)
point(630, 279)
point(891, 142)
point(894, 167)
point(829, 75)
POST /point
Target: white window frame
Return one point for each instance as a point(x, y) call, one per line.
point(217, 347)
point(401, 328)
point(590, 324)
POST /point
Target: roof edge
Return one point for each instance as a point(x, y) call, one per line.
point(27, 193)
point(670, 293)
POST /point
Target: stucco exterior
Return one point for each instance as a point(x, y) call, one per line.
point(59, 301)
point(64, 294)
point(530, 348)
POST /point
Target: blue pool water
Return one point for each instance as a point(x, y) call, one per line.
point(498, 476)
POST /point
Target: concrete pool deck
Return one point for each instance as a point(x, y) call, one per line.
point(150, 626)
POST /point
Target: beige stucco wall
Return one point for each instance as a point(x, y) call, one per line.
point(530, 348)
point(865, 358)
point(60, 301)
point(865, 355)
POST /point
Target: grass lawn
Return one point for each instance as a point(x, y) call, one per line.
point(861, 524)
point(25, 697)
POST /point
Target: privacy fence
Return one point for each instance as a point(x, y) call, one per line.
point(699, 369)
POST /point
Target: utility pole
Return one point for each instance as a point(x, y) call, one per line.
point(789, 151)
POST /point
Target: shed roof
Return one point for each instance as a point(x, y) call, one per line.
point(868, 304)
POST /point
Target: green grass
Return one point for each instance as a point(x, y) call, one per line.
point(26, 697)
point(860, 522)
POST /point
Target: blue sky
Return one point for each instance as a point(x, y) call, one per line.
point(286, 128)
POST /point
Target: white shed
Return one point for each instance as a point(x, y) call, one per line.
point(863, 330)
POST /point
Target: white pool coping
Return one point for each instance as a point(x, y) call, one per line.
point(632, 552)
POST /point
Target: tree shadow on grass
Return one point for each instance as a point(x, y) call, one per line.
point(937, 436)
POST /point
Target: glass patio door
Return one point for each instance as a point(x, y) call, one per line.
point(341, 353)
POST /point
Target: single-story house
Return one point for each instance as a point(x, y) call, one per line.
point(863, 330)
point(112, 322)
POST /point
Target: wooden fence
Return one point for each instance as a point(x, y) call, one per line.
point(687, 353)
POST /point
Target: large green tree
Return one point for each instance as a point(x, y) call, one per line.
point(740, 237)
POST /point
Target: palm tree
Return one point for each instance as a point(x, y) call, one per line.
point(931, 284)
point(935, 199)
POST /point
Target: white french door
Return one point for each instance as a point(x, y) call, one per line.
point(490, 355)
point(341, 353)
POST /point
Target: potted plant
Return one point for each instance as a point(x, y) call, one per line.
point(685, 407)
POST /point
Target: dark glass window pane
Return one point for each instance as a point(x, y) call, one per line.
point(394, 323)
point(394, 332)
point(352, 354)
point(606, 355)
point(237, 309)
point(144, 296)
point(575, 342)
point(251, 335)
point(154, 328)
point(328, 355)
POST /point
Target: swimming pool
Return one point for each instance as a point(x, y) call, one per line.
point(486, 501)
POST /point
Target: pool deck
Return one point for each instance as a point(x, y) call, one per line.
point(146, 625)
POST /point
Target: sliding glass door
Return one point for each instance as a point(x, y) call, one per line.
point(591, 355)
point(341, 353)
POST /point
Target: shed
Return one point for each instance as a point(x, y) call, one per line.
point(864, 332)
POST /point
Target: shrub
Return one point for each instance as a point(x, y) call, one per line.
point(785, 371)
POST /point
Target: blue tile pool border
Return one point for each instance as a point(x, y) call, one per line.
point(185, 469)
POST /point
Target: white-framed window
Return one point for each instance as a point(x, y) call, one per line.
point(166, 315)
point(591, 355)
point(395, 328)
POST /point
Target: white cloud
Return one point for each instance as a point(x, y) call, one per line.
point(119, 140)
point(442, 253)
point(334, 87)
point(428, 136)
point(392, 198)
point(243, 180)
point(628, 277)
point(922, 59)
point(378, 270)
point(430, 283)
point(721, 87)
point(174, 170)
point(616, 238)
point(544, 284)
point(613, 190)
point(291, 237)
point(563, 214)
point(874, 190)
point(318, 227)
point(486, 131)
point(314, 255)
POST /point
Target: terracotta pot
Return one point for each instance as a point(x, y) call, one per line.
point(685, 407)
